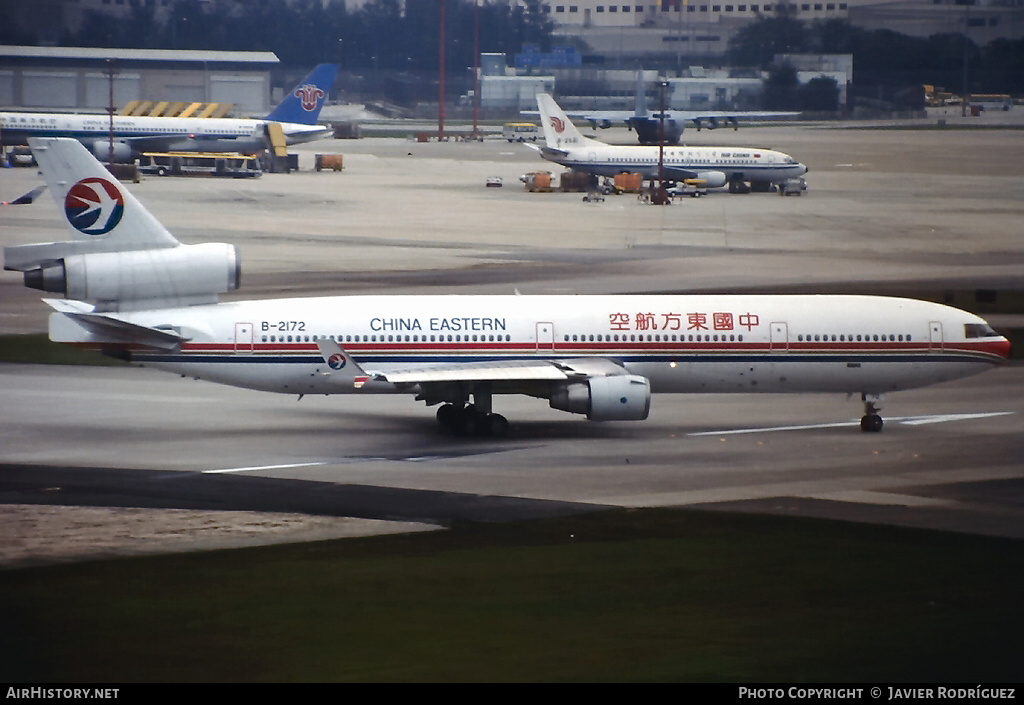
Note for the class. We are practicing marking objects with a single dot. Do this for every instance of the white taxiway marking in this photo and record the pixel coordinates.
(906, 420)
(263, 467)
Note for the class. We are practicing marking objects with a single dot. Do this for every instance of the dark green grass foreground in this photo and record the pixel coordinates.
(624, 595)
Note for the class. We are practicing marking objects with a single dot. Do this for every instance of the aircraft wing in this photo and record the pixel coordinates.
(157, 143)
(518, 370)
(531, 370)
(27, 198)
(607, 118)
(510, 370)
(713, 116)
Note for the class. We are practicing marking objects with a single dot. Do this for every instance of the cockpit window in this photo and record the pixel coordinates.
(979, 330)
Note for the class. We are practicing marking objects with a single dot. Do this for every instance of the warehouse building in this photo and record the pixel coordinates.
(79, 79)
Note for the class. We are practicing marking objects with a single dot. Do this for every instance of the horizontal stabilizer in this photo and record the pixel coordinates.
(105, 328)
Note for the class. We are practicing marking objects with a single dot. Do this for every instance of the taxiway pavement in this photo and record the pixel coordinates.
(887, 210)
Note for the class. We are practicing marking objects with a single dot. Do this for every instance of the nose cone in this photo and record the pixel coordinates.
(1002, 348)
(804, 169)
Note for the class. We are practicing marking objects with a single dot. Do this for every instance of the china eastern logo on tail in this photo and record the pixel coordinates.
(336, 361)
(94, 206)
(309, 95)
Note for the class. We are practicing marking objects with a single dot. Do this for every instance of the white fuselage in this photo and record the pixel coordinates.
(740, 163)
(698, 343)
(177, 134)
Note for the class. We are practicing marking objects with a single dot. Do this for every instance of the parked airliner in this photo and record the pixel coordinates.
(297, 114)
(651, 128)
(133, 291)
(716, 166)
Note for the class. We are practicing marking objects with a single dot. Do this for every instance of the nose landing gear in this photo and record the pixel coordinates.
(871, 422)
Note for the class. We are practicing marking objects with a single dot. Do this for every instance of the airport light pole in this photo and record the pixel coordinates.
(110, 110)
(660, 196)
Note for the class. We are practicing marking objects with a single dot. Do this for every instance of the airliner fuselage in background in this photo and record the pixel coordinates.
(717, 166)
(133, 135)
(135, 292)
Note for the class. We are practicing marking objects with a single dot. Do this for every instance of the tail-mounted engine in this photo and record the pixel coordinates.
(612, 398)
(168, 276)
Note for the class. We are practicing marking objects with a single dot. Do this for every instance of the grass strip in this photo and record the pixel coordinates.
(629, 595)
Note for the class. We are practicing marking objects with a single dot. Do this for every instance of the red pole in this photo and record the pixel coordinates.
(476, 66)
(440, 81)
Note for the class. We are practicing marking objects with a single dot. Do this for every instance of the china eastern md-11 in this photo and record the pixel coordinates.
(133, 291)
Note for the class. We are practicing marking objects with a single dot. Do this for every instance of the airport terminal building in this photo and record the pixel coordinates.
(626, 31)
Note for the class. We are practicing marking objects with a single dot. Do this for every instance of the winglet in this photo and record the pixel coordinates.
(341, 363)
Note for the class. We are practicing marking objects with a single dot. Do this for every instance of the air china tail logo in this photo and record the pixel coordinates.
(309, 95)
(94, 206)
(336, 361)
(558, 123)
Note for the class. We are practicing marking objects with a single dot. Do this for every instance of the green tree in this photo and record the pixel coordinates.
(819, 94)
(780, 88)
(759, 42)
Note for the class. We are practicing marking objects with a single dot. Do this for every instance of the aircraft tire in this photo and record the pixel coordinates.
(871, 423)
(447, 415)
(496, 425)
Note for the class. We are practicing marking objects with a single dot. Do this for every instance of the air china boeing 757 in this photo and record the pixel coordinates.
(134, 292)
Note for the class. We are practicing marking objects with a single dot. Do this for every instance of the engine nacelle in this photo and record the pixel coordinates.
(712, 179)
(182, 274)
(613, 398)
(123, 152)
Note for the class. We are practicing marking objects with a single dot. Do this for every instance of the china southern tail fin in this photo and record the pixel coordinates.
(120, 256)
(303, 103)
(559, 132)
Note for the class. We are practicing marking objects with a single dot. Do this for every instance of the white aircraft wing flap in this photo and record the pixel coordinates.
(492, 371)
(509, 371)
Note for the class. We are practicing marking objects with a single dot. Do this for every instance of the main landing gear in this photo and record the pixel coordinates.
(871, 422)
(468, 420)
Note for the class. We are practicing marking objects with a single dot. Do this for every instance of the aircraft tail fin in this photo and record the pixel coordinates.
(303, 103)
(96, 208)
(640, 107)
(120, 256)
(559, 131)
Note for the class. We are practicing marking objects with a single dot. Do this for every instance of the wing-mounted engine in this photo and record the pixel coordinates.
(611, 398)
(712, 179)
(122, 151)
